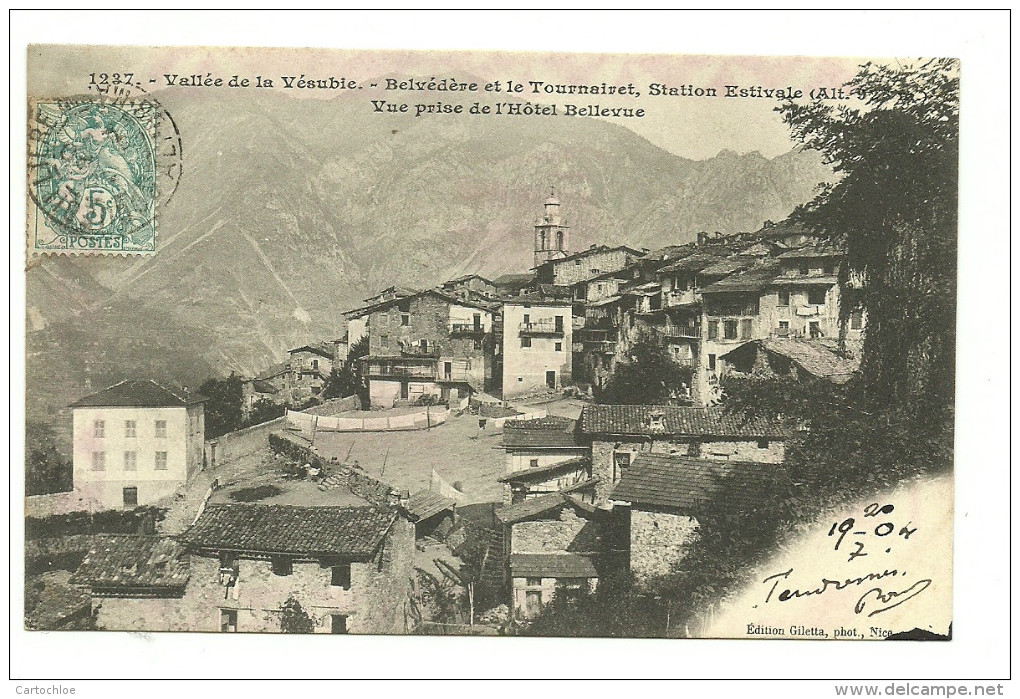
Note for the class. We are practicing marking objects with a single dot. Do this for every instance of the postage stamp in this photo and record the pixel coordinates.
(98, 169)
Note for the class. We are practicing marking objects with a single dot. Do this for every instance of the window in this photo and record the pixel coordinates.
(384, 340)
(533, 582)
(161, 461)
(99, 429)
(622, 459)
(816, 297)
(405, 320)
(713, 330)
(730, 329)
(559, 347)
(131, 496)
(558, 324)
(99, 461)
(282, 565)
(784, 297)
(315, 365)
(527, 318)
(340, 576)
(228, 620)
(130, 428)
(160, 429)
(857, 319)
(478, 343)
(784, 328)
(745, 329)
(763, 444)
(804, 269)
(577, 262)
(694, 448)
(525, 342)
(533, 463)
(384, 320)
(131, 461)
(595, 271)
(711, 362)
(338, 623)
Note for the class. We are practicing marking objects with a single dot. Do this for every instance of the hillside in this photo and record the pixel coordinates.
(290, 212)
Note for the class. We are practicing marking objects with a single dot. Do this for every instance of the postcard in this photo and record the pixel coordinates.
(497, 344)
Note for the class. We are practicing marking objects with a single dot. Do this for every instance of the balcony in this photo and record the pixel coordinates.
(466, 330)
(687, 331)
(384, 370)
(542, 327)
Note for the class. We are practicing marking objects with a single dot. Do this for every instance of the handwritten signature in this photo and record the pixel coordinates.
(890, 599)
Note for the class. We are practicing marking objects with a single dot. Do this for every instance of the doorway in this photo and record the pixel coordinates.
(550, 379)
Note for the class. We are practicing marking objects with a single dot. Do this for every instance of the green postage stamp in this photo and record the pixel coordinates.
(97, 169)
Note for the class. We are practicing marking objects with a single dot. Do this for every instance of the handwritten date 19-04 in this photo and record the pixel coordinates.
(883, 529)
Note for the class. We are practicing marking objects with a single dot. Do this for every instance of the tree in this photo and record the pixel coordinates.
(223, 406)
(46, 469)
(294, 619)
(264, 410)
(650, 376)
(346, 380)
(894, 210)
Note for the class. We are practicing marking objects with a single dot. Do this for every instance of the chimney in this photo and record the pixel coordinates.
(702, 238)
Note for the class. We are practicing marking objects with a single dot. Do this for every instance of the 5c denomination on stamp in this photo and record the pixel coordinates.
(99, 170)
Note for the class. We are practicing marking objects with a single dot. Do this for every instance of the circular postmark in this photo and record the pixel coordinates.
(101, 167)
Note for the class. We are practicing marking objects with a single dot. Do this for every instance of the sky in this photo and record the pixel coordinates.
(689, 126)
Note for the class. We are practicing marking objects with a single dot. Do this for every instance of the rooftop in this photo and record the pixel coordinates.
(595, 250)
(754, 279)
(696, 261)
(677, 421)
(320, 348)
(683, 483)
(551, 565)
(130, 562)
(353, 532)
(138, 394)
(532, 507)
(528, 474)
(552, 432)
(809, 251)
(425, 504)
(816, 357)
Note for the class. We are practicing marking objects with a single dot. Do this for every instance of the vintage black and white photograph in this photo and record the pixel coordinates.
(490, 344)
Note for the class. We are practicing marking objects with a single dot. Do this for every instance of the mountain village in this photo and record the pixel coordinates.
(475, 475)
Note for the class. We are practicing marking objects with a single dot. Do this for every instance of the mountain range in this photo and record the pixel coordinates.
(290, 211)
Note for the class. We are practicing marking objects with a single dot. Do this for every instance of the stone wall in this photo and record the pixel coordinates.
(658, 542)
(335, 406)
(569, 533)
(375, 602)
(352, 478)
(239, 443)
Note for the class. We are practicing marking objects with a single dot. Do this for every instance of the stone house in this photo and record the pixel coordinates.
(349, 568)
(269, 385)
(537, 344)
(135, 443)
(660, 497)
(429, 343)
(308, 369)
(474, 283)
(619, 433)
(801, 359)
(543, 456)
(557, 544)
(587, 264)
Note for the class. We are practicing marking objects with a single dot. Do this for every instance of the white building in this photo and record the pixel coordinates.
(537, 344)
(135, 443)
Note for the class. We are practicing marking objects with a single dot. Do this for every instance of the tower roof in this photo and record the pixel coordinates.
(552, 200)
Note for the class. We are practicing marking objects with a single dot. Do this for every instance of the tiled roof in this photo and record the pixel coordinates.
(728, 265)
(552, 431)
(596, 250)
(753, 279)
(466, 277)
(449, 298)
(812, 280)
(346, 531)
(532, 507)
(528, 474)
(513, 280)
(677, 421)
(695, 262)
(137, 394)
(273, 371)
(319, 348)
(820, 250)
(127, 561)
(815, 357)
(551, 565)
(261, 386)
(684, 484)
(425, 504)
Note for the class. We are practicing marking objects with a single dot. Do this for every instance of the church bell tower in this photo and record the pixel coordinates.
(552, 237)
